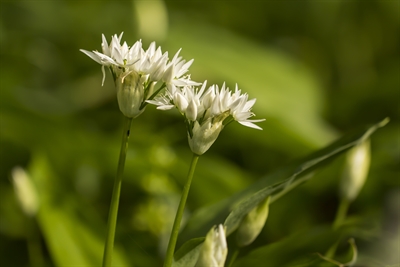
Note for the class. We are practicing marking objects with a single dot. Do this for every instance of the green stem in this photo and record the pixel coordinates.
(179, 213)
(233, 258)
(33, 242)
(112, 215)
(290, 187)
(341, 213)
(152, 96)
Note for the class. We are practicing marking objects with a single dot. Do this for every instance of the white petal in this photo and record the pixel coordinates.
(104, 45)
(167, 107)
(184, 68)
(203, 87)
(249, 104)
(250, 124)
(176, 55)
(168, 74)
(180, 102)
(92, 55)
(184, 82)
(234, 104)
(120, 36)
(242, 116)
(191, 111)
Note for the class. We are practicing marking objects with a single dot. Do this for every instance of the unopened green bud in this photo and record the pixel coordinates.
(25, 191)
(355, 170)
(214, 250)
(252, 224)
(130, 94)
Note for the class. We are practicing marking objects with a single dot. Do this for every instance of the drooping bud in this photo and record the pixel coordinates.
(252, 224)
(130, 94)
(25, 191)
(214, 250)
(356, 170)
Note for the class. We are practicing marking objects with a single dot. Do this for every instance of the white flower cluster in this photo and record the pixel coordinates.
(206, 112)
(136, 71)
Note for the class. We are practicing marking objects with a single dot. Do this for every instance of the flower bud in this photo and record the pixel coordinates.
(252, 224)
(355, 170)
(181, 102)
(204, 136)
(25, 191)
(130, 94)
(214, 250)
(191, 111)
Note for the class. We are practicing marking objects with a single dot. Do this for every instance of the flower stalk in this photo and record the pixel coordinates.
(113, 213)
(341, 213)
(28, 198)
(178, 217)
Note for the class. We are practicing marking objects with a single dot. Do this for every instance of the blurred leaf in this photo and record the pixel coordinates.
(205, 218)
(70, 241)
(187, 255)
(286, 91)
(292, 249)
(233, 220)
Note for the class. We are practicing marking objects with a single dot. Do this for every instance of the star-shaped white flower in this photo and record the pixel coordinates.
(120, 58)
(136, 72)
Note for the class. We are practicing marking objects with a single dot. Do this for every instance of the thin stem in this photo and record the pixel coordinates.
(112, 215)
(341, 213)
(179, 213)
(33, 243)
(290, 187)
(233, 258)
(152, 96)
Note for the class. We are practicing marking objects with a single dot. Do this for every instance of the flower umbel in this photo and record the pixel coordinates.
(206, 112)
(215, 249)
(136, 72)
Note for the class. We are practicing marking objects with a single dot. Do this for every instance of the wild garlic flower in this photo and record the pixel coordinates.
(206, 112)
(136, 71)
(214, 250)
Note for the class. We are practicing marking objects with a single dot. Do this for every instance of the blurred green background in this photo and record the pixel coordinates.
(317, 69)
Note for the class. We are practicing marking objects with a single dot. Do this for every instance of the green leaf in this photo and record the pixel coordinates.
(70, 240)
(295, 248)
(187, 255)
(191, 244)
(238, 213)
(280, 180)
